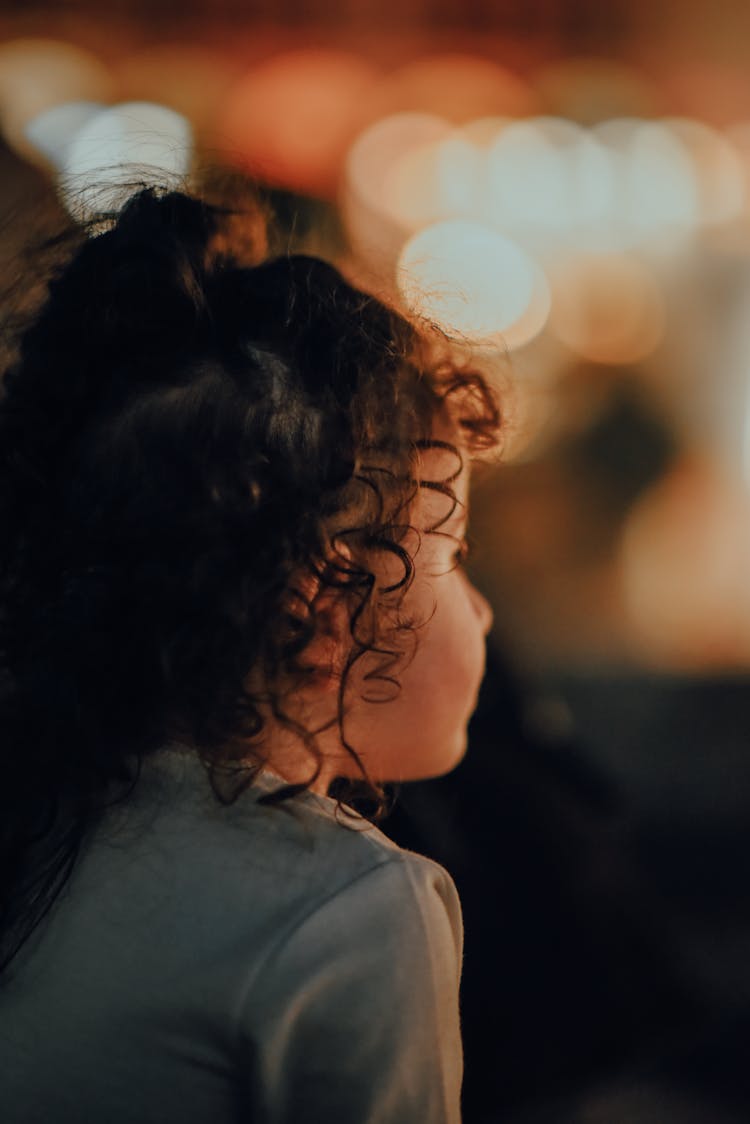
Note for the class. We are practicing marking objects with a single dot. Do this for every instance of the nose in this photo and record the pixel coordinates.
(482, 608)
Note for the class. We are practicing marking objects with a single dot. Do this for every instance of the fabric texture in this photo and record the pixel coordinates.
(212, 963)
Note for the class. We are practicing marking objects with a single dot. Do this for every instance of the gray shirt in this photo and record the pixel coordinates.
(211, 963)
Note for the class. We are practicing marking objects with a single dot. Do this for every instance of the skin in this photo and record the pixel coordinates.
(420, 731)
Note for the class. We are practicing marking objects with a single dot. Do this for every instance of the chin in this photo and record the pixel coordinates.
(458, 755)
(434, 764)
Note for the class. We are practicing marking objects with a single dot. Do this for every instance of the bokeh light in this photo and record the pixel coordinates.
(37, 75)
(534, 318)
(738, 136)
(466, 278)
(549, 182)
(717, 169)
(557, 208)
(436, 181)
(291, 118)
(588, 89)
(50, 134)
(657, 195)
(379, 223)
(482, 132)
(607, 308)
(190, 79)
(530, 407)
(128, 144)
(701, 87)
(459, 87)
(684, 561)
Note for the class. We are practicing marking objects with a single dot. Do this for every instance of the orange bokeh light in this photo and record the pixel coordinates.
(458, 87)
(588, 89)
(376, 229)
(190, 79)
(607, 308)
(291, 118)
(684, 560)
(37, 75)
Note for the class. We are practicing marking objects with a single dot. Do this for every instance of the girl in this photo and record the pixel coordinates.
(232, 517)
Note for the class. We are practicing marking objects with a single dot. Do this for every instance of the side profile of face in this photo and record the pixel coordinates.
(417, 728)
(421, 731)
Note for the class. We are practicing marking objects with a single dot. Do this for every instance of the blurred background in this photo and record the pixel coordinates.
(565, 184)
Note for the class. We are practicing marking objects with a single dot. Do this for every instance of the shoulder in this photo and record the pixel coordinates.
(289, 860)
(360, 879)
(357, 861)
(355, 1008)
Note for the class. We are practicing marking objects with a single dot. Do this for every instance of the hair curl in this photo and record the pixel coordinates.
(182, 435)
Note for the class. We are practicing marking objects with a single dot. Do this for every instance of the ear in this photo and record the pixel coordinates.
(328, 650)
(326, 653)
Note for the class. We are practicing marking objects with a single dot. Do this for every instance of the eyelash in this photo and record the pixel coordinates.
(461, 553)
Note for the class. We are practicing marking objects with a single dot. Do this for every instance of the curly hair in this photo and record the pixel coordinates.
(182, 435)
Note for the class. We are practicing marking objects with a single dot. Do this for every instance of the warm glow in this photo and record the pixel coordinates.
(533, 320)
(456, 86)
(378, 219)
(190, 79)
(290, 120)
(468, 279)
(126, 145)
(708, 86)
(685, 560)
(738, 136)
(378, 151)
(484, 131)
(588, 89)
(738, 366)
(607, 308)
(717, 168)
(37, 75)
(436, 181)
(531, 405)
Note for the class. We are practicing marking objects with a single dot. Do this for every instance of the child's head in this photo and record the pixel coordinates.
(229, 501)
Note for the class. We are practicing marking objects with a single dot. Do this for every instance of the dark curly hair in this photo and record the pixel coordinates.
(182, 435)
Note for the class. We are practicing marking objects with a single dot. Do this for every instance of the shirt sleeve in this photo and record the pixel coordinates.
(354, 1019)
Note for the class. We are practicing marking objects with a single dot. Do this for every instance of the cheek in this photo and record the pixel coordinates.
(421, 731)
(461, 625)
(451, 653)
